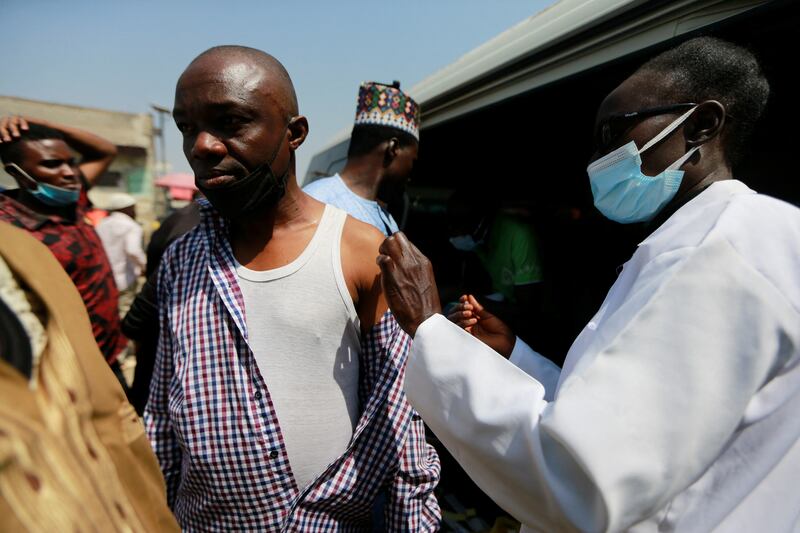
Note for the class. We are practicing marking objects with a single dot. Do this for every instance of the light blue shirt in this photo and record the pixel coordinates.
(332, 190)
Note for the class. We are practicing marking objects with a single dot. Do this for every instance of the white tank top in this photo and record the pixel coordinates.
(304, 332)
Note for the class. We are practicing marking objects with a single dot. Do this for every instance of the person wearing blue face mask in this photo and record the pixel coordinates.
(51, 204)
(676, 407)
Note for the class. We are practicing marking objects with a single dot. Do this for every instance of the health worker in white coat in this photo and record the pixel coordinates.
(678, 406)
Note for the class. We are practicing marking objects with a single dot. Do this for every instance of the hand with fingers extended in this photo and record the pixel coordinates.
(11, 126)
(483, 325)
(408, 282)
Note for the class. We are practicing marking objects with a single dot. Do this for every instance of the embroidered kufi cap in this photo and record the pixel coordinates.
(386, 105)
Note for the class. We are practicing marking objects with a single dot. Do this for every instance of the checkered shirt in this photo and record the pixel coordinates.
(215, 432)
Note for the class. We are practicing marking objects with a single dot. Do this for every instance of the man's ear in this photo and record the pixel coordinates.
(705, 123)
(390, 153)
(298, 131)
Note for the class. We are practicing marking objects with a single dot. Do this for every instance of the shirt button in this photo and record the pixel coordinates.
(258, 395)
(273, 454)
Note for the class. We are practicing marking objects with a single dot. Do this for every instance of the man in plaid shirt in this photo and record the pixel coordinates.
(248, 301)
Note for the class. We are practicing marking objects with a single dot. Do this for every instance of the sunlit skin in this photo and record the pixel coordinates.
(233, 117)
(49, 161)
(228, 115)
(235, 111)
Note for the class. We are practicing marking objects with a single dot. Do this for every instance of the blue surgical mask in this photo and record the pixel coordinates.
(464, 243)
(55, 196)
(623, 193)
(45, 193)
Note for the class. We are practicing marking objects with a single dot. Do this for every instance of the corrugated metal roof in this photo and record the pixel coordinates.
(565, 39)
(569, 37)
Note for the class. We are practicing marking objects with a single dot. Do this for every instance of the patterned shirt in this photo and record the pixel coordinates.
(214, 429)
(78, 248)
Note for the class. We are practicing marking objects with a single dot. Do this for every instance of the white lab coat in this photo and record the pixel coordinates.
(678, 407)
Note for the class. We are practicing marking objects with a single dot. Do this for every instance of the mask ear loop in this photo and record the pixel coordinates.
(669, 129)
(683, 159)
(282, 180)
(16, 170)
(272, 157)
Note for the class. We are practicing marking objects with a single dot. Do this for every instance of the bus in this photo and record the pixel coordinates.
(512, 121)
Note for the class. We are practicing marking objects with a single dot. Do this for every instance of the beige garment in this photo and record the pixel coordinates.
(73, 453)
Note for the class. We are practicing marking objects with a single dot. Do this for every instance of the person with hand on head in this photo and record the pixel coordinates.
(96, 153)
(276, 401)
(676, 407)
(51, 204)
(380, 159)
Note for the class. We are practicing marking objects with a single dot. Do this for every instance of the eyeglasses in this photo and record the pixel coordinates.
(614, 126)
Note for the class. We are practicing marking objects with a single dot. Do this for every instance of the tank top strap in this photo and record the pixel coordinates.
(334, 230)
(328, 234)
(336, 220)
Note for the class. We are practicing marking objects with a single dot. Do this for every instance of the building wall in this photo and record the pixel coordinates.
(134, 168)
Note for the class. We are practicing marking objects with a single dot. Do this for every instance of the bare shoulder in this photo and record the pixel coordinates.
(360, 244)
(359, 251)
(360, 239)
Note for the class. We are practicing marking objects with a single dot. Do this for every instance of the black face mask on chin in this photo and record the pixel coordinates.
(254, 193)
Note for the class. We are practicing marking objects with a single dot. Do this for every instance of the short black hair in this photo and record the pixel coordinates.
(707, 68)
(11, 151)
(365, 137)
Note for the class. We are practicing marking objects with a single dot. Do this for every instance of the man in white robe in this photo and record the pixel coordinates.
(678, 405)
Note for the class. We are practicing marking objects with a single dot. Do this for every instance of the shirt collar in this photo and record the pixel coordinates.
(714, 193)
(361, 199)
(221, 262)
(27, 217)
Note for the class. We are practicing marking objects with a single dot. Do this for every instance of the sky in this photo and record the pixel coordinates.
(126, 55)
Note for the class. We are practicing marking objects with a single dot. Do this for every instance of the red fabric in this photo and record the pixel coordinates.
(95, 215)
(79, 250)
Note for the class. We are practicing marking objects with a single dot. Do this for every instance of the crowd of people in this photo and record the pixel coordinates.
(294, 361)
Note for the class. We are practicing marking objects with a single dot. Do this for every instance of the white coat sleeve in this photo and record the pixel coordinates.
(536, 366)
(627, 431)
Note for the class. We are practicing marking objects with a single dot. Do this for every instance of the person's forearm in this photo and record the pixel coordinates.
(486, 412)
(90, 146)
